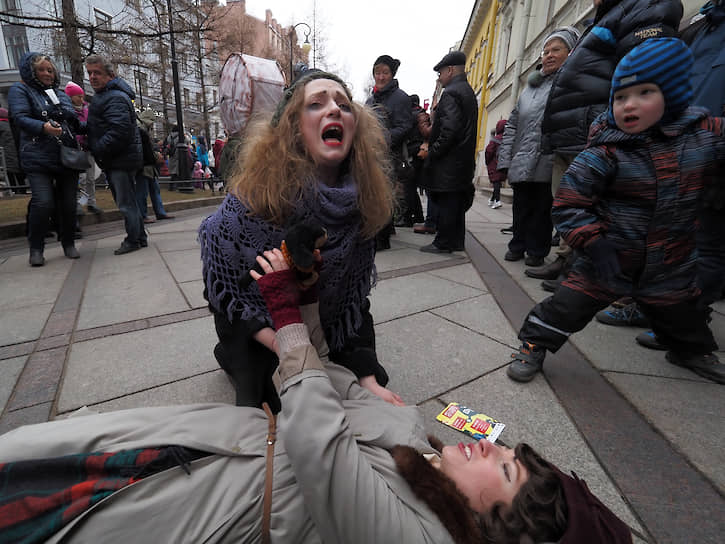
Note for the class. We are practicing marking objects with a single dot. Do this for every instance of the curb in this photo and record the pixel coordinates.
(17, 229)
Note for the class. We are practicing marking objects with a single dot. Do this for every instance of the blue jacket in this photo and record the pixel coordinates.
(113, 136)
(30, 108)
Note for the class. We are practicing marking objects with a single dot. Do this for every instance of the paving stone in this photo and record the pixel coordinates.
(481, 314)
(437, 355)
(679, 408)
(23, 288)
(180, 316)
(10, 370)
(115, 366)
(40, 413)
(23, 324)
(211, 386)
(39, 380)
(464, 273)
(16, 350)
(175, 241)
(184, 265)
(407, 295)
(59, 323)
(53, 342)
(128, 287)
(194, 293)
(404, 258)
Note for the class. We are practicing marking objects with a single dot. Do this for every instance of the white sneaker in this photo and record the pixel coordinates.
(496, 204)
(491, 202)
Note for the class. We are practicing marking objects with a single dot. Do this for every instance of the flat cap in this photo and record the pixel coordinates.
(454, 58)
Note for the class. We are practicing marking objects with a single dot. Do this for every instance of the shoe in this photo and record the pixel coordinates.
(622, 302)
(71, 252)
(507, 230)
(496, 205)
(143, 243)
(423, 229)
(526, 363)
(126, 248)
(432, 248)
(629, 316)
(165, 216)
(555, 240)
(551, 285)
(513, 256)
(36, 257)
(708, 365)
(533, 260)
(94, 209)
(403, 223)
(491, 202)
(649, 340)
(550, 271)
(148, 220)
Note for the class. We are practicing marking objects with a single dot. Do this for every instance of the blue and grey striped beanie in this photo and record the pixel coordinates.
(666, 62)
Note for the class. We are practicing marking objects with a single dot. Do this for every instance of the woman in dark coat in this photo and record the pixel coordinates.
(393, 105)
(40, 111)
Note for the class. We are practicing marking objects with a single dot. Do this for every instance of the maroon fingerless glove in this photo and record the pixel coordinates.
(282, 296)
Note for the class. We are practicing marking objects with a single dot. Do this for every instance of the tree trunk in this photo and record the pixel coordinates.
(70, 29)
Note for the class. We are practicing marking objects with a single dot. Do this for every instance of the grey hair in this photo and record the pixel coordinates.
(98, 59)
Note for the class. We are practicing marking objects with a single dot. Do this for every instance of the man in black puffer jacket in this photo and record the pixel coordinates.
(115, 142)
(450, 160)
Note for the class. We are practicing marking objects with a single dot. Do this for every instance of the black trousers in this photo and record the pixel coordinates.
(532, 218)
(681, 326)
(451, 227)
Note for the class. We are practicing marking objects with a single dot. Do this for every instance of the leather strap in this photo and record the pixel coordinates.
(267, 504)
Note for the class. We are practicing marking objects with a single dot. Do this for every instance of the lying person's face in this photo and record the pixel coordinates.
(327, 124)
(638, 107)
(484, 472)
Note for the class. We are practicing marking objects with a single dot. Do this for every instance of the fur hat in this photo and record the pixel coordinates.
(389, 61)
(666, 62)
(454, 58)
(567, 34)
(73, 89)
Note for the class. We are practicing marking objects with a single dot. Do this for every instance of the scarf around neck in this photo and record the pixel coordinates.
(232, 238)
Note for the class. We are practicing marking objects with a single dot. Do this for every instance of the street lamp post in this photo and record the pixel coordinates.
(181, 148)
(305, 47)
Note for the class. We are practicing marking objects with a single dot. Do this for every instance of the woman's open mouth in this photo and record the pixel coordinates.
(332, 134)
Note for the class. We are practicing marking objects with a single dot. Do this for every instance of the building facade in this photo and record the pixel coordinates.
(503, 43)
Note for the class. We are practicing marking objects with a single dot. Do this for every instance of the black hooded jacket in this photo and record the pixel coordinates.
(580, 90)
(394, 108)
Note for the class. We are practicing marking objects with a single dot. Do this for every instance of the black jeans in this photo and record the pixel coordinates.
(52, 194)
(451, 227)
(532, 218)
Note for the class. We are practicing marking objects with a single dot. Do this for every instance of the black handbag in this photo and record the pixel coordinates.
(73, 158)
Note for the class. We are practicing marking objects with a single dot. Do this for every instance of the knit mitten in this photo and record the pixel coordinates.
(282, 296)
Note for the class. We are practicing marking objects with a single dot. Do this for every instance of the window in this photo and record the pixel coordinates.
(136, 42)
(103, 20)
(214, 95)
(134, 4)
(16, 44)
(181, 58)
(9, 5)
(187, 97)
(198, 101)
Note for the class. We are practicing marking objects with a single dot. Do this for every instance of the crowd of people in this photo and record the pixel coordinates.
(601, 159)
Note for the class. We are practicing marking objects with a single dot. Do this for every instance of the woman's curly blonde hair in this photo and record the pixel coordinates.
(275, 168)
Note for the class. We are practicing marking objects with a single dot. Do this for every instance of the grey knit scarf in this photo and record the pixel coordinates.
(232, 238)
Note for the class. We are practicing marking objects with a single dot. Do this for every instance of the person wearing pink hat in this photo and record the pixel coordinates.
(86, 182)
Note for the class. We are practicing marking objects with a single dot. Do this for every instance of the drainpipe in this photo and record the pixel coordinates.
(515, 84)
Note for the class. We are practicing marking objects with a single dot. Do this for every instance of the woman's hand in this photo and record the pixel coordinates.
(372, 385)
(279, 288)
(52, 129)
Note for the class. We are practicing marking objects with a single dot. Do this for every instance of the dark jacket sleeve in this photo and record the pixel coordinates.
(401, 119)
(450, 119)
(121, 126)
(21, 111)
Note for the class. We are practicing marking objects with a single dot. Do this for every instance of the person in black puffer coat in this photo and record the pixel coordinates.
(393, 106)
(43, 114)
(115, 141)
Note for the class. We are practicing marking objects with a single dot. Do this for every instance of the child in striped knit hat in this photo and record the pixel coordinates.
(629, 204)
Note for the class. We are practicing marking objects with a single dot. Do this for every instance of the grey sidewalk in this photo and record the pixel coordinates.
(114, 332)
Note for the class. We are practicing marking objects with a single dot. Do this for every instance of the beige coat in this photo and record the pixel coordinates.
(334, 480)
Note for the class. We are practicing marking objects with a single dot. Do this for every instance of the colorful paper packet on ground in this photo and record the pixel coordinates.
(472, 423)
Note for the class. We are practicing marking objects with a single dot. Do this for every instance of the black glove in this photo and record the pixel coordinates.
(604, 257)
